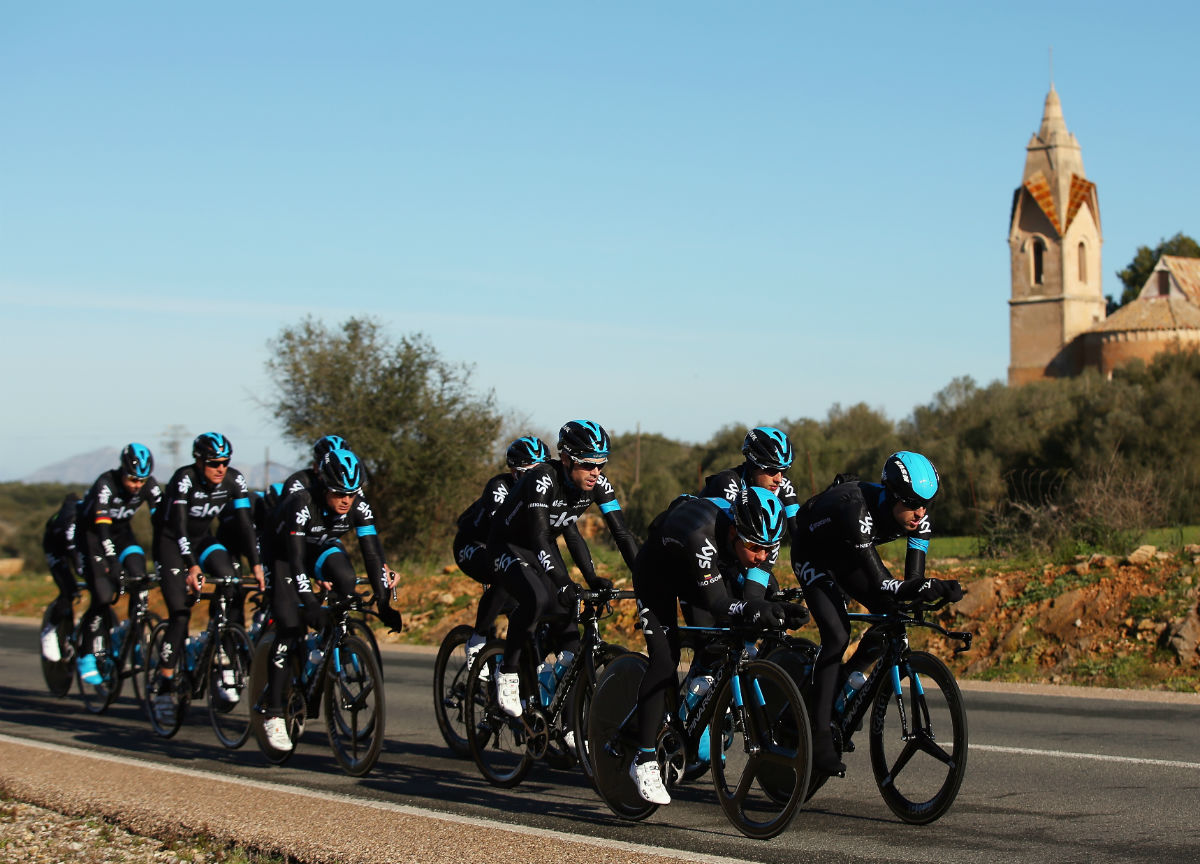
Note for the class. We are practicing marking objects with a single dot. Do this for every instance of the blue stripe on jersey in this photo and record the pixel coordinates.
(211, 549)
(757, 576)
(609, 506)
(241, 503)
(791, 510)
(914, 543)
(724, 504)
(364, 530)
(130, 550)
(321, 560)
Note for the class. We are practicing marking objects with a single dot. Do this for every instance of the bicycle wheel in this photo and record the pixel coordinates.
(497, 741)
(295, 710)
(798, 663)
(360, 628)
(180, 694)
(228, 694)
(354, 706)
(765, 742)
(59, 673)
(141, 650)
(97, 697)
(919, 739)
(581, 705)
(611, 748)
(450, 689)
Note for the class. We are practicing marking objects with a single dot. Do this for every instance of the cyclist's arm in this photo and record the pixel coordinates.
(102, 521)
(610, 509)
(918, 548)
(580, 553)
(243, 513)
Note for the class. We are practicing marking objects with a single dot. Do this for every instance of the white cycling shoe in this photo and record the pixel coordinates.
(508, 691)
(474, 647)
(50, 649)
(648, 780)
(275, 729)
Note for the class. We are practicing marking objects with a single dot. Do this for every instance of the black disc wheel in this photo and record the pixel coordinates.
(760, 750)
(59, 673)
(97, 697)
(611, 746)
(498, 742)
(919, 739)
(165, 714)
(354, 706)
(580, 705)
(450, 689)
(228, 687)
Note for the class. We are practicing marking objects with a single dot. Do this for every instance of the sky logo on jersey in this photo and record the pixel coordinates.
(499, 494)
(303, 516)
(364, 509)
(543, 483)
(295, 487)
(545, 560)
(731, 491)
(866, 524)
(806, 573)
(185, 484)
(705, 556)
(204, 511)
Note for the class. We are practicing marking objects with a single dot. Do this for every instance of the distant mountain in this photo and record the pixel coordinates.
(86, 467)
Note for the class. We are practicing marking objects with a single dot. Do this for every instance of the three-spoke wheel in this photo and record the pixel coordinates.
(354, 706)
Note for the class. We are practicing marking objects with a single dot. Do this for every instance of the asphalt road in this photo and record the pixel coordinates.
(1052, 776)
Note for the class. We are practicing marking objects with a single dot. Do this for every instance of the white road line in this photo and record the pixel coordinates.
(1096, 757)
(406, 809)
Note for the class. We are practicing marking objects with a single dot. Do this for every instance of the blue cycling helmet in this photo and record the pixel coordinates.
(758, 516)
(911, 478)
(212, 445)
(341, 472)
(526, 451)
(583, 441)
(136, 461)
(768, 448)
(329, 442)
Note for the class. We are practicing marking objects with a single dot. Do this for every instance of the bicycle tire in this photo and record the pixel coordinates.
(97, 697)
(181, 692)
(355, 706)
(294, 706)
(137, 663)
(775, 737)
(362, 629)
(449, 693)
(59, 674)
(497, 740)
(229, 673)
(581, 703)
(918, 778)
(613, 701)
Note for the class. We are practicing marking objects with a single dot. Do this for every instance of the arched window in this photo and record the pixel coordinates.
(1082, 263)
(1039, 260)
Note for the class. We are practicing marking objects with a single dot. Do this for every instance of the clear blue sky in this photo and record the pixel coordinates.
(677, 214)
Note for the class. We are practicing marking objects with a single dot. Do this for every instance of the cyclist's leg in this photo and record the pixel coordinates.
(102, 584)
(173, 583)
(536, 597)
(656, 609)
(828, 607)
(64, 581)
(287, 609)
(229, 536)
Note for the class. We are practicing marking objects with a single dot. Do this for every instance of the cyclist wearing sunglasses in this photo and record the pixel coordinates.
(105, 541)
(523, 543)
(834, 556)
(186, 547)
(697, 552)
(305, 546)
(470, 542)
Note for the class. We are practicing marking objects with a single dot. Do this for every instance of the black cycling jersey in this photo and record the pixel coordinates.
(544, 505)
(58, 542)
(303, 525)
(838, 532)
(191, 503)
(475, 522)
(305, 478)
(108, 507)
(725, 484)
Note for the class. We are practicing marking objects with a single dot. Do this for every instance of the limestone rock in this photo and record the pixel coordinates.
(1142, 555)
(1184, 639)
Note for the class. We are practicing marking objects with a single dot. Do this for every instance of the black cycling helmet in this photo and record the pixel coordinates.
(758, 516)
(583, 441)
(329, 442)
(526, 451)
(136, 461)
(341, 472)
(911, 478)
(212, 445)
(768, 448)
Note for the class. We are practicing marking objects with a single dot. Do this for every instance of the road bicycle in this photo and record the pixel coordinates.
(555, 703)
(214, 665)
(346, 682)
(918, 724)
(757, 728)
(120, 647)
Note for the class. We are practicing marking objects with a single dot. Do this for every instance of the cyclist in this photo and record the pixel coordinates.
(58, 542)
(470, 543)
(306, 478)
(305, 546)
(106, 543)
(523, 544)
(694, 551)
(186, 548)
(834, 556)
(768, 454)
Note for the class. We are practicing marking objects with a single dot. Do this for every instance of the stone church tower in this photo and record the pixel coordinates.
(1054, 242)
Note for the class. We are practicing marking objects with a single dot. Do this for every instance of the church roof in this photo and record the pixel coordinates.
(1152, 313)
(1186, 272)
(1054, 175)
